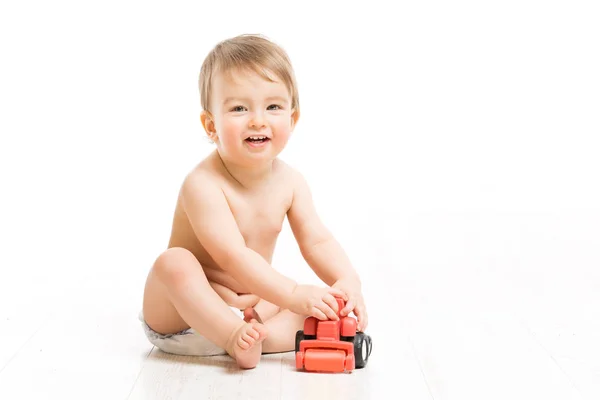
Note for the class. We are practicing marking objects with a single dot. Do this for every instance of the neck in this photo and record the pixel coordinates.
(247, 176)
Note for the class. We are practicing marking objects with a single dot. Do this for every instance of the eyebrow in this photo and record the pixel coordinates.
(282, 99)
(228, 99)
(277, 98)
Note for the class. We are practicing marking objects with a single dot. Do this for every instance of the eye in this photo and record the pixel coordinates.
(238, 109)
(274, 107)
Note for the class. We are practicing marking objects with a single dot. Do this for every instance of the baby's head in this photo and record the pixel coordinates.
(247, 53)
(249, 98)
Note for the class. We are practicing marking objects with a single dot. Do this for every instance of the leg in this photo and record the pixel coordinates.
(177, 296)
(282, 332)
(282, 326)
(263, 308)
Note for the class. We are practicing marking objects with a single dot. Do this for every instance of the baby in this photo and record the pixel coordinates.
(230, 210)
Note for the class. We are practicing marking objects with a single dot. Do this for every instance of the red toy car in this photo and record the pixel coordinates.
(332, 346)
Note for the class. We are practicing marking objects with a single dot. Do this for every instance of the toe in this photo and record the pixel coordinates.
(260, 329)
(253, 333)
(242, 343)
(248, 339)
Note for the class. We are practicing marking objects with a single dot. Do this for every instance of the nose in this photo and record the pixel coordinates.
(257, 121)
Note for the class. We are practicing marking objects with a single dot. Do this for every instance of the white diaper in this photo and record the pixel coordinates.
(186, 343)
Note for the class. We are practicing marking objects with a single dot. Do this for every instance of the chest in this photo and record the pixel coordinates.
(259, 217)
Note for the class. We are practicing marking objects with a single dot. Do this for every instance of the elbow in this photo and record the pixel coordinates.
(231, 258)
(314, 252)
(312, 249)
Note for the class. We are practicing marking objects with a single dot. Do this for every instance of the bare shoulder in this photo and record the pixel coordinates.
(203, 178)
(205, 208)
(292, 180)
(288, 173)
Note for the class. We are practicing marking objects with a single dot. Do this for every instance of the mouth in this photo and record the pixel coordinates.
(257, 140)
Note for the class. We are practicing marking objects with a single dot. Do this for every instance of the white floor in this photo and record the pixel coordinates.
(461, 306)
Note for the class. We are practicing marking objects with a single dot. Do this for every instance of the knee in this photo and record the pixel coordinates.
(174, 265)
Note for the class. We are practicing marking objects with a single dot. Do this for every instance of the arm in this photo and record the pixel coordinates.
(214, 225)
(232, 298)
(323, 252)
(318, 246)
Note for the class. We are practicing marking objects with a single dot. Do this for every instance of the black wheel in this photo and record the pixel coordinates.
(362, 349)
(299, 338)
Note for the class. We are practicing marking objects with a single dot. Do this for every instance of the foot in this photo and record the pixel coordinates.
(250, 314)
(245, 345)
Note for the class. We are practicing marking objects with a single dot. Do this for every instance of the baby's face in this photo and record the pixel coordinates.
(252, 116)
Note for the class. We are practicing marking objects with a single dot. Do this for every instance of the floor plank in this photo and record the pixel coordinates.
(86, 351)
(484, 354)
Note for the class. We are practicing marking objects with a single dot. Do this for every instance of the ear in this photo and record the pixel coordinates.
(208, 124)
(295, 117)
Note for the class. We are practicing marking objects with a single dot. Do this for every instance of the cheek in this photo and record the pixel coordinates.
(231, 124)
(281, 136)
(230, 130)
(282, 126)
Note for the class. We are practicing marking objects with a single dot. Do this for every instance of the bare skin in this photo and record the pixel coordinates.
(242, 340)
(186, 274)
(228, 216)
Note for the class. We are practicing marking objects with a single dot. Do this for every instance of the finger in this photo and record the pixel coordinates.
(349, 307)
(361, 315)
(360, 326)
(318, 314)
(331, 302)
(331, 315)
(338, 293)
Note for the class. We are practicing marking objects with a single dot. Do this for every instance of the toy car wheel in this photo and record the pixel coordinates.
(299, 338)
(362, 349)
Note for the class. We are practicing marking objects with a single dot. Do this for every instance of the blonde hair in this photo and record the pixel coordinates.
(247, 52)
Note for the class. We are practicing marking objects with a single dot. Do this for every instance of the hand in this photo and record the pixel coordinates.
(355, 302)
(316, 302)
(233, 299)
(243, 301)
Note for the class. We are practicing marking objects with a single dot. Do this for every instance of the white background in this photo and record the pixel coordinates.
(441, 139)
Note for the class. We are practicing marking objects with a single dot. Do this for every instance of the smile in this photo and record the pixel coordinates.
(257, 141)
